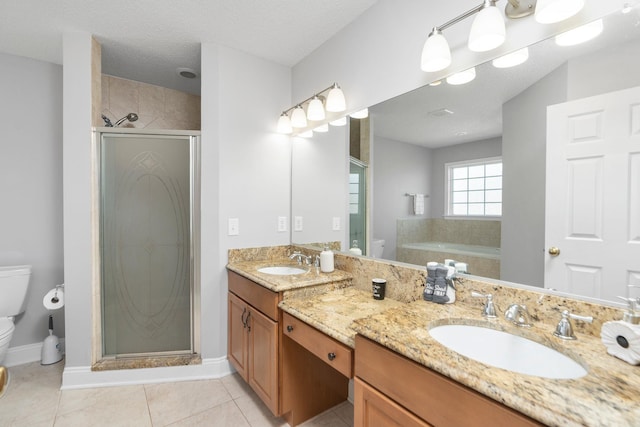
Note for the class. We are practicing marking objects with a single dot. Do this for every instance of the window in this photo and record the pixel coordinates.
(474, 188)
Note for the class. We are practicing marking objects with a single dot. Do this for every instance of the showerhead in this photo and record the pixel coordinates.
(132, 117)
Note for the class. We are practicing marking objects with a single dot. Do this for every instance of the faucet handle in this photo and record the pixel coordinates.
(490, 311)
(564, 329)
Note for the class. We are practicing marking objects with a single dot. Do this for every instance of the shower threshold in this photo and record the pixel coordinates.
(139, 362)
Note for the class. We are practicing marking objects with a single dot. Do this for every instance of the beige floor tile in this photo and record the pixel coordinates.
(236, 386)
(326, 419)
(345, 412)
(224, 415)
(171, 402)
(108, 406)
(257, 413)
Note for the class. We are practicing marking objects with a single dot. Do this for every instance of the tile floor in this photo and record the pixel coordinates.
(34, 399)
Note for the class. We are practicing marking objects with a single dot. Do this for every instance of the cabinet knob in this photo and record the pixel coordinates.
(331, 356)
(289, 328)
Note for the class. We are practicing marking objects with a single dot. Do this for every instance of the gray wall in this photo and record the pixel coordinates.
(456, 153)
(398, 168)
(31, 184)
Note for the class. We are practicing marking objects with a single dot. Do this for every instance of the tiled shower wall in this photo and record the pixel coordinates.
(157, 107)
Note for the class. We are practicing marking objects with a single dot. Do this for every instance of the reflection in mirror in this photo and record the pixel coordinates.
(502, 113)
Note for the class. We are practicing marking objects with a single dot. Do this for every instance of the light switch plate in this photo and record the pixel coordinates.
(297, 223)
(234, 226)
(336, 223)
(282, 223)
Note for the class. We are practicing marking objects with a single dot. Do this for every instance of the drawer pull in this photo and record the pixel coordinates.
(289, 328)
(331, 356)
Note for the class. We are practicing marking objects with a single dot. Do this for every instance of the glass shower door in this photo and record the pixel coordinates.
(146, 259)
(358, 203)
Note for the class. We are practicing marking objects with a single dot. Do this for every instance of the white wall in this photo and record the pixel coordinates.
(31, 185)
(398, 168)
(318, 164)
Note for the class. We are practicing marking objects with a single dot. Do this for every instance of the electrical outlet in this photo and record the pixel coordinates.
(282, 223)
(297, 223)
(336, 223)
(234, 226)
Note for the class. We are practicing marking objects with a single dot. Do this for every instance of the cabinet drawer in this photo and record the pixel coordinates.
(332, 352)
(258, 296)
(428, 394)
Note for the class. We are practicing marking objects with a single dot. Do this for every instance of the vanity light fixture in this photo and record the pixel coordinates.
(436, 54)
(581, 34)
(552, 11)
(361, 114)
(512, 59)
(342, 121)
(462, 77)
(332, 99)
(488, 30)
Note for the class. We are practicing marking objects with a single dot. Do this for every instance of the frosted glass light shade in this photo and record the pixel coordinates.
(512, 59)
(581, 34)
(436, 54)
(550, 11)
(342, 121)
(487, 31)
(284, 124)
(315, 110)
(335, 100)
(362, 114)
(462, 77)
(298, 118)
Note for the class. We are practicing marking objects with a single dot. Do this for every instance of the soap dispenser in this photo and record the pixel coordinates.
(326, 260)
(355, 249)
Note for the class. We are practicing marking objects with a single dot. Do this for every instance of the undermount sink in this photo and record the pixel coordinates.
(507, 351)
(282, 270)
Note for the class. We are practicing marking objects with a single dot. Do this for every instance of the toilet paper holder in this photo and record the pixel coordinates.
(54, 299)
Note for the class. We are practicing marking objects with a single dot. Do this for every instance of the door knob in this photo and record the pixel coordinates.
(553, 251)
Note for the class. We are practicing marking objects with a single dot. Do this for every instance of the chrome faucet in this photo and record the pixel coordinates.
(490, 311)
(564, 329)
(299, 256)
(518, 315)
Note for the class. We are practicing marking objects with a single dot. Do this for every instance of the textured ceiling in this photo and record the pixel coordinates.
(148, 40)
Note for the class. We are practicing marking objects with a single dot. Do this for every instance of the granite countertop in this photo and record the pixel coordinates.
(334, 312)
(280, 283)
(607, 395)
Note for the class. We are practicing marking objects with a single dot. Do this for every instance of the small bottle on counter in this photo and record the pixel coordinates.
(355, 249)
(326, 260)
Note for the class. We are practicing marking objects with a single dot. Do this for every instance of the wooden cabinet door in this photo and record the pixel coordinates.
(263, 358)
(237, 341)
(373, 409)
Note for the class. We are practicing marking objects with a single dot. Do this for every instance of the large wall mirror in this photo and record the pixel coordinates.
(501, 115)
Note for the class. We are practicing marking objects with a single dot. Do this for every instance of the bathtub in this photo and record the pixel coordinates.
(482, 260)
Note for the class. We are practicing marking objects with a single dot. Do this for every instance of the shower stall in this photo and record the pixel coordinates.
(148, 185)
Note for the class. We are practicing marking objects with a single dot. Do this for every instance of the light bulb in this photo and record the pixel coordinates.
(581, 34)
(436, 54)
(512, 59)
(315, 110)
(487, 31)
(298, 118)
(551, 11)
(284, 124)
(462, 77)
(335, 100)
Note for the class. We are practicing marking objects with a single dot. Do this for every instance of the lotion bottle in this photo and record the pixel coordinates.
(326, 260)
(355, 249)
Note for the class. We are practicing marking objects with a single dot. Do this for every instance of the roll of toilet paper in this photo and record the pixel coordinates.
(54, 299)
(622, 340)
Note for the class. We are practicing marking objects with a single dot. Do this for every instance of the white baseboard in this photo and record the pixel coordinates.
(83, 377)
(28, 353)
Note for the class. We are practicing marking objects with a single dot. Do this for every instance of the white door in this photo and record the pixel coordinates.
(593, 195)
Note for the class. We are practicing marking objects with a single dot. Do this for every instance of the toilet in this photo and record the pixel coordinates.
(377, 248)
(14, 283)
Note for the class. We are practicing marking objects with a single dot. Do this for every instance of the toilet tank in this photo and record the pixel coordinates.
(14, 283)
